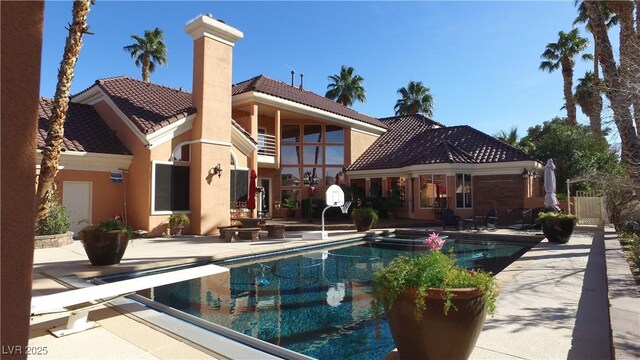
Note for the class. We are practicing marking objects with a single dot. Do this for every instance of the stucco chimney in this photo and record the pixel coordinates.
(213, 43)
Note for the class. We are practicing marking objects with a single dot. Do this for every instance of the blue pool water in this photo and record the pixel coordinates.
(315, 302)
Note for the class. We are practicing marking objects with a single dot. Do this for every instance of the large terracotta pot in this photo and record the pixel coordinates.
(558, 230)
(104, 247)
(363, 222)
(436, 335)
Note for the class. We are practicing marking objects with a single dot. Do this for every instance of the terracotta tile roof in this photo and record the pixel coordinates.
(413, 141)
(243, 131)
(149, 106)
(84, 130)
(285, 91)
(414, 118)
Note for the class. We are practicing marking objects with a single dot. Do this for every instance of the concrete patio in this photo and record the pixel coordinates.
(554, 301)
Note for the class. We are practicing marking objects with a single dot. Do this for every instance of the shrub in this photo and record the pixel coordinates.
(56, 222)
(553, 215)
(179, 221)
(365, 212)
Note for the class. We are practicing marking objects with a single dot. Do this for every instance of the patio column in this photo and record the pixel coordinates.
(367, 187)
(278, 135)
(213, 43)
(253, 162)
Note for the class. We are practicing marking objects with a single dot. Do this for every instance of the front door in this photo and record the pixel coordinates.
(264, 200)
(76, 197)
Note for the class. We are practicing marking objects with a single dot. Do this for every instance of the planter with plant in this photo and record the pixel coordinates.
(53, 229)
(557, 226)
(290, 204)
(435, 309)
(106, 242)
(177, 223)
(364, 218)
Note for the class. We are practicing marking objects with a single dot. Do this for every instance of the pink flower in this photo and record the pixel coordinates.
(434, 242)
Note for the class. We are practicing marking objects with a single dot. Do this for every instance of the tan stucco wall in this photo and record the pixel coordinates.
(359, 142)
(21, 53)
(212, 98)
(107, 197)
(139, 172)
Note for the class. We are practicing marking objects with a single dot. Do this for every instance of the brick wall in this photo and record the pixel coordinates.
(500, 192)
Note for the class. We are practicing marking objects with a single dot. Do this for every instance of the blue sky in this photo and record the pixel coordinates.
(480, 59)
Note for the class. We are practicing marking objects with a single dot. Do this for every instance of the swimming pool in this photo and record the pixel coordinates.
(316, 302)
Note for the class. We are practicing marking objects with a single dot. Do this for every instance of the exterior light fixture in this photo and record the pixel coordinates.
(216, 170)
(530, 173)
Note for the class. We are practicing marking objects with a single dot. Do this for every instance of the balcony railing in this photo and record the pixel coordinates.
(266, 145)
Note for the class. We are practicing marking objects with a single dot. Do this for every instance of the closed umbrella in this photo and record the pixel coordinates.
(251, 201)
(550, 198)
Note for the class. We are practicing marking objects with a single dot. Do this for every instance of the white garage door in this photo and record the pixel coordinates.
(76, 197)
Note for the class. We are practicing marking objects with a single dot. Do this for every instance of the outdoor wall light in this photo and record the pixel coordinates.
(216, 170)
(530, 173)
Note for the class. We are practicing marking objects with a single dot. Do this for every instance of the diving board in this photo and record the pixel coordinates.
(76, 300)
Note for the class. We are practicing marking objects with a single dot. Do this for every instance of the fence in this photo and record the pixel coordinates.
(589, 208)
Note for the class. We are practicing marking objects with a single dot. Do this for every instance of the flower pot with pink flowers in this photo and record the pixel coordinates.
(435, 309)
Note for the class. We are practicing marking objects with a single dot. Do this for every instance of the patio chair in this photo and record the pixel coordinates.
(449, 218)
(489, 220)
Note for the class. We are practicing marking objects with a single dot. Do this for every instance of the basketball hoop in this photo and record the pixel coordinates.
(345, 207)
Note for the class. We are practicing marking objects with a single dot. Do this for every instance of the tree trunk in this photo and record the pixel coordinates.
(145, 67)
(595, 119)
(570, 104)
(53, 142)
(616, 93)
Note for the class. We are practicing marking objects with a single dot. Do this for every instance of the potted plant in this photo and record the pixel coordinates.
(435, 309)
(290, 205)
(364, 218)
(106, 242)
(392, 203)
(177, 222)
(556, 225)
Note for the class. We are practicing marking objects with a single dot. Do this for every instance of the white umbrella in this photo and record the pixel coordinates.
(550, 198)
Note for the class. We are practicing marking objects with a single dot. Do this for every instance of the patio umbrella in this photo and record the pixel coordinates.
(338, 179)
(251, 201)
(550, 198)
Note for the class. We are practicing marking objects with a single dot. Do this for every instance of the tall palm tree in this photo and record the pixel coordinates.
(510, 137)
(346, 88)
(415, 98)
(588, 96)
(617, 83)
(53, 142)
(148, 51)
(560, 55)
(611, 20)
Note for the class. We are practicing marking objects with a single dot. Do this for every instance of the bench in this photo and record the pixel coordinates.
(228, 233)
(78, 301)
(252, 234)
(275, 231)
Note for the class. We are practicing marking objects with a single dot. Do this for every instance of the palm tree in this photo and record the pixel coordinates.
(560, 55)
(346, 88)
(596, 99)
(588, 96)
(414, 99)
(53, 142)
(510, 137)
(148, 51)
(617, 82)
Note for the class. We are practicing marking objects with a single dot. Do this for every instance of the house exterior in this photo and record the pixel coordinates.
(144, 151)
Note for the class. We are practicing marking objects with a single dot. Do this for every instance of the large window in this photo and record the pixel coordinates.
(463, 190)
(170, 188)
(311, 155)
(433, 191)
(239, 185)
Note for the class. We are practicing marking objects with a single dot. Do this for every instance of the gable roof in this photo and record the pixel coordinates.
(149, 106)
(84, 130)
(266, 85)
(412, 140)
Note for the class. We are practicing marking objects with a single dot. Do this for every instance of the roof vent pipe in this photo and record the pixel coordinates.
(292, 75)
(301, 81)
